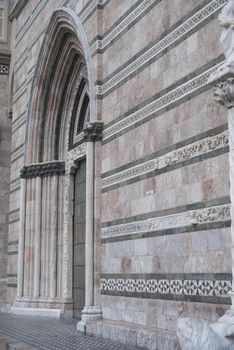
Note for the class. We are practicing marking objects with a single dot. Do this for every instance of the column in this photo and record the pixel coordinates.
(37, 257)
(93, 133)
(20, 281)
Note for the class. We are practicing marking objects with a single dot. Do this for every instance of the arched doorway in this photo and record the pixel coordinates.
(62, 103)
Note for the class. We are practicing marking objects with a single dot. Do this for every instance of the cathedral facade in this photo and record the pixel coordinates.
(115, 192)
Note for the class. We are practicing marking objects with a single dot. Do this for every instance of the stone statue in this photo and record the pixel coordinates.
(194, 334)
(226, 20)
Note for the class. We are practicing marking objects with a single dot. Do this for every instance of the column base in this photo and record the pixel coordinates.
(30, 311)
(89, 313)
(43, 306)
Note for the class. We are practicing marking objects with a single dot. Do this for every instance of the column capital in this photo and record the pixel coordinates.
(224, 93)
(93, 131)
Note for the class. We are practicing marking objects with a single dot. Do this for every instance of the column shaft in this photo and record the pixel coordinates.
(21, 239)
(89, 225)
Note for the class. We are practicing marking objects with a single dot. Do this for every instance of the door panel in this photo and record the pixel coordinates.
(79, 240)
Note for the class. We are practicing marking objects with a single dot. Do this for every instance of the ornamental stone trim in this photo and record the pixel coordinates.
(14, 186)
(188, 218)
(86, 13)
(163, 44)
(195, 149)
(14, 216)
(18, 122)
(164, 286)
(4, 69)
(159, 104)
(28, 24)
(12, 281)
(125, 23)
(43, 169)
(17, 153)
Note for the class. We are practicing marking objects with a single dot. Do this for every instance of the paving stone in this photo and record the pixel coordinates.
(51, 334)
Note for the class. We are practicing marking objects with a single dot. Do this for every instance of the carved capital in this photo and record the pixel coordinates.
(224, 93)
(93, 131)
(43, 169)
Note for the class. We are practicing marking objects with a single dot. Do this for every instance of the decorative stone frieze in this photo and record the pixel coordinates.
(12, 281)
(4, 69)
(185, 28)
(200, 147)
(128, 20)
(221, 213)
(161, 286)
(93, 131)
(173, 96)
(43, 169)
(193, 217)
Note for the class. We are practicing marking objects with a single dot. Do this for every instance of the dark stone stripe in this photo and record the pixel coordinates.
(13, 253)
(15, 190)
(17, 148)
(163, 92)
(167, 232)
(124, 31)
(175, 146)
(16, 179)
(168, 168)
(170, 211)
(198, 276)
(153, 59)
(28, 19)
(19, 126)
(21, 64)
(15, 120)
(14, 221)
(171, 276)
(98, 7)
(175, 297)
(21, 94)
(19, 40)
(17, 158)
(14, 211)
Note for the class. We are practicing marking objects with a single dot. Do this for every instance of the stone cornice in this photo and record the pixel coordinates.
(43, 169)
(16, 9)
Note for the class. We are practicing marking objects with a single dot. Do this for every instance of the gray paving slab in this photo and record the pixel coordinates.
(49, 334)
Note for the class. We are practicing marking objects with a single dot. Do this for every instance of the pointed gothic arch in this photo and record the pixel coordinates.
(65, 51)
(62, 100)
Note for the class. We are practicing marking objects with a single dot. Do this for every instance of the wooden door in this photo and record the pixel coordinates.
(79, 240)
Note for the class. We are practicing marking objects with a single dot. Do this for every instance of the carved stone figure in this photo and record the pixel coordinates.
(194, 334)
(227, 37)
(226, 19)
